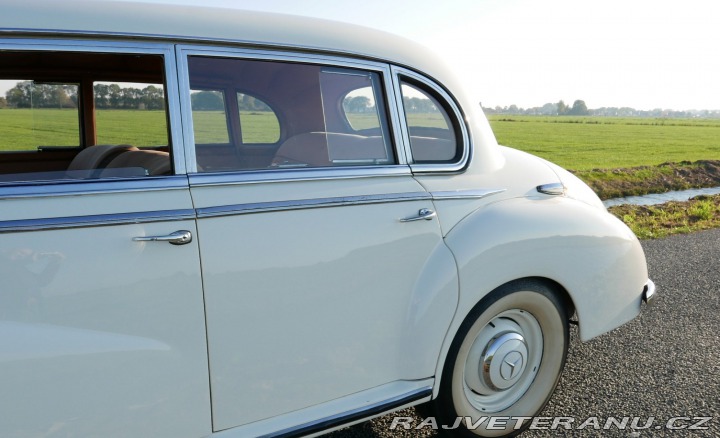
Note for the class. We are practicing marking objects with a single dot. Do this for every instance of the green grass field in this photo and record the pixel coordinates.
(583, 143)
(577, 143)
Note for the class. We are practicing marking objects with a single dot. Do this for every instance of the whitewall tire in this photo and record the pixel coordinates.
(505, 360)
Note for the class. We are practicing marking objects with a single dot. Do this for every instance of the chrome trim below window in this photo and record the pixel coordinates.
(60, 223)
(301, 204)
(465, 194)
(35, 189)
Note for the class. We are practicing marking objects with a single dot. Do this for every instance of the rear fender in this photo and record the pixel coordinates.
(587, 251)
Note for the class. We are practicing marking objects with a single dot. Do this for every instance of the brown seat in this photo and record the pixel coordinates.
(153, 162)
(316, 149)
(99, 156)
(308, 149)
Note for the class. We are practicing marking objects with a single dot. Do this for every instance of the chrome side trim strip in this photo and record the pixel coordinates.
(18, 226)
(301, 204)
(354, 415)
(84, 187)
(465, 194)
(268, 176)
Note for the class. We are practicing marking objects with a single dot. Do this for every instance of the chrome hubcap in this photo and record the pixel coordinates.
(503, 360)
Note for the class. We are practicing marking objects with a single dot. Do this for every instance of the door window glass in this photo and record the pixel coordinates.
(209, 120)
(258, 122)
(295, 112)
(82, 115)
(433, 136)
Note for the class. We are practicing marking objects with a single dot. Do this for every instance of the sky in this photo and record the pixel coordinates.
(636, 53)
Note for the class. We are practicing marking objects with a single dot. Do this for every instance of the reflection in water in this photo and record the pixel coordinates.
(661, 198)
(24, 273)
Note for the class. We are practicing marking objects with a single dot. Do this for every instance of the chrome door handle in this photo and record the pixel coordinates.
(424, 213)
(177, 238)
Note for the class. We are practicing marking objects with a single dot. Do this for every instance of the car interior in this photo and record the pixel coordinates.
(53, 121)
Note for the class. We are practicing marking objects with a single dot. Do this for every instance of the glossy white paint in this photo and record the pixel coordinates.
(579, 213)
(311, 312)
(101, 336)
(314, 304)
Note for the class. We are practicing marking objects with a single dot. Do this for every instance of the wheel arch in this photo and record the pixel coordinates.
(587, 256)
(558, 290)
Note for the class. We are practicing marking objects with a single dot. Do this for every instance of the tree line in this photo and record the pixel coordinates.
(29, 94)
(579, 108)
(215, 101)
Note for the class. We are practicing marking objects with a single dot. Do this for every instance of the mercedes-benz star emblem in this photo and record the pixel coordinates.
(512, 364)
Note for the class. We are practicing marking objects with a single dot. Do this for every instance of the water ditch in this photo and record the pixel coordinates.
(661, 198)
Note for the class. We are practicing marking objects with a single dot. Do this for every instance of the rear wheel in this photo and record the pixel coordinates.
(504, 362)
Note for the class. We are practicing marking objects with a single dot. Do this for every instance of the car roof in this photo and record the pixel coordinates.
(210, 24)
(167, 22)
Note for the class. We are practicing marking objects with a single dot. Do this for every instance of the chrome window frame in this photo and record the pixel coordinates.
(184, 51)
(457, 114)
(175, 136)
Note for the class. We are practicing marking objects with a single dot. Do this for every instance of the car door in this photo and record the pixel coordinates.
(313, 261)
(102, 329)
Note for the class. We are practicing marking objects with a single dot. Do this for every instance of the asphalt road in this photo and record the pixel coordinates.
(664, 364)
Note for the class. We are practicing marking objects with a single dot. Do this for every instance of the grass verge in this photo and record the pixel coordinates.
(656, 221)
(642, 180)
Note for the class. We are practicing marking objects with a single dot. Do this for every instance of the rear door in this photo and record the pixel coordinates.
(102, 329)
(313, 242)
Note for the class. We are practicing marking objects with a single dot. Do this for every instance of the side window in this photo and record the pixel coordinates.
(361, 112)
(82, 115)
(258, 122)
(290, 115)
(120, 105)
(209, 120)
(37, 114)
(433, 137)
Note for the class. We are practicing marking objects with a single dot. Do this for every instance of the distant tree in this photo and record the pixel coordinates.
(153, 98)
(357, 104)
(28, 94)
(20, 96)
(3, 103)
(418, 105)
(207, 101)
(579, 109)
(562, 109)
(549, 109)
(250, 103)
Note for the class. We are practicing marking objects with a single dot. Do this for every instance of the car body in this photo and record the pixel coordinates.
(225, 223)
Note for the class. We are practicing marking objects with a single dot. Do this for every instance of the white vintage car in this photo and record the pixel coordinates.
(234, 224)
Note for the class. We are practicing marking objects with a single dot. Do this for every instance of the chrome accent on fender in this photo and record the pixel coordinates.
(555, 189)
(18, 226)
(423, 214)
(648, 294)
(465, 194)
(180, 237)
(300, 204)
